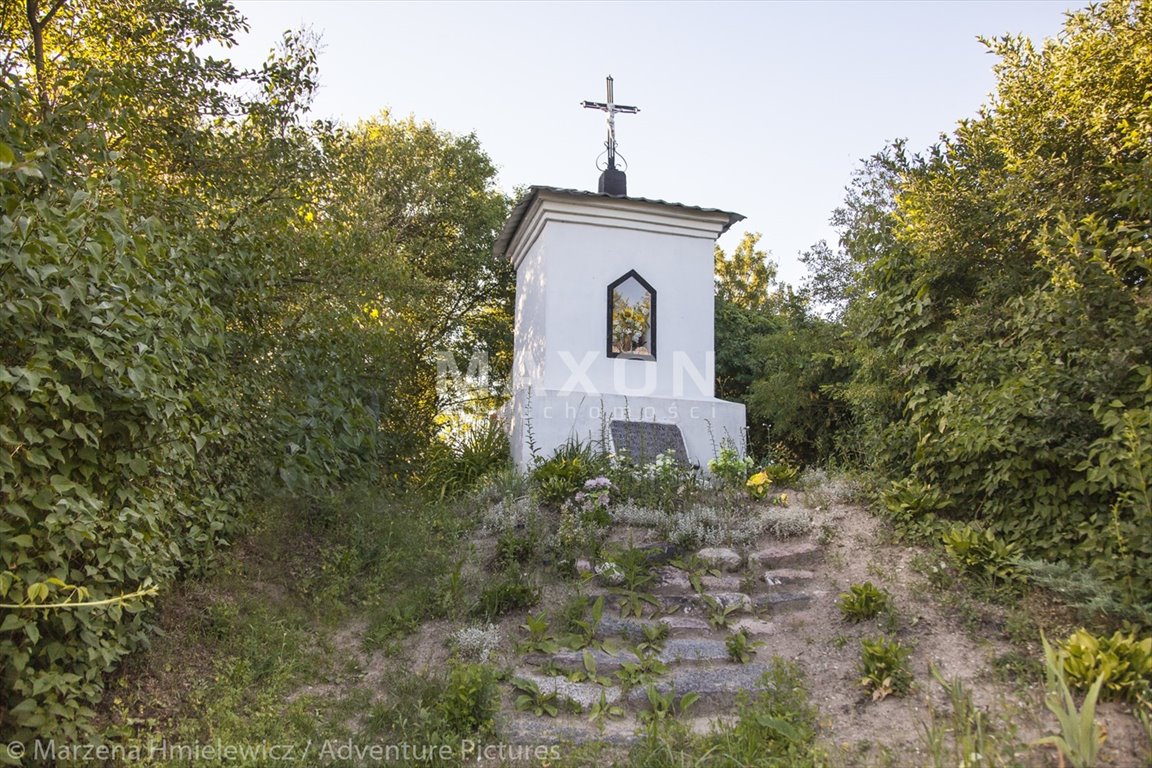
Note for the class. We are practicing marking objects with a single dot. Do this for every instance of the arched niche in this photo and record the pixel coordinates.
(631, 318)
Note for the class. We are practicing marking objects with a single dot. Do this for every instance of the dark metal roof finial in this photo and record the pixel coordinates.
(612, 180)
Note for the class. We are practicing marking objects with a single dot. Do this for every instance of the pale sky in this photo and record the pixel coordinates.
(763, 108)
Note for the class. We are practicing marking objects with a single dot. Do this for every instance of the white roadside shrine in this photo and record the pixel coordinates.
(614, 323)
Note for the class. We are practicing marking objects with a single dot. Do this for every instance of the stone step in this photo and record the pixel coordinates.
(527, 728)
(787, 576)
(787, 554)
(781, 601)
(754, 626)
(718, 685)
(582, 695)
(675, 602)
(676, 650)
(721, 558)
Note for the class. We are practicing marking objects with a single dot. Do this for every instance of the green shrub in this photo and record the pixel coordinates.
(515, 548)
(978, 552)
(782, 475)
(469, 701)
(863, 601)
(1121, 661)
(730, 467)
(776, 726)
(913, 507)
(453, 468)
(884, 667)
(561, 476)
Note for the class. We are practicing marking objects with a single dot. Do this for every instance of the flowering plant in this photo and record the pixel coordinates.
(757, 485)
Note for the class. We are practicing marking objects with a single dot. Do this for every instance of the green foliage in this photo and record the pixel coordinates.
(583, 622)
(539, 639)
(636, 575)
(884, 667)
(470, 699)
(696, 568)
(782, 474)
(197, 305)
(777, 726)
(515, 548)
(978, 552)
(719, 614)
(740, 648)
(562, 475)
(1080, 738)
(451, 470)
(655, 636)
(588, 672)
(648, 669)
(665, 706)
(965, 736)
(913, 507)
(602, 710)
(863, 601)
(1121, 663)
(532, 699)
(730, 467)
(997, 309)
(512, 591)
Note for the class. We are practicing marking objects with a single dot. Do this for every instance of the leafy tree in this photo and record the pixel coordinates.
(774, 355)
(1001, 305)
(201, 293)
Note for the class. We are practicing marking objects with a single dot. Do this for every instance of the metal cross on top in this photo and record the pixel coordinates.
(612, 108)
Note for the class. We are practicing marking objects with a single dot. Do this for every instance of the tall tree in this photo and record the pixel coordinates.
(1003, 321)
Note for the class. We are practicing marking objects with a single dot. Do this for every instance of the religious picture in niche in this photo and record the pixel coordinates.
(632, 318)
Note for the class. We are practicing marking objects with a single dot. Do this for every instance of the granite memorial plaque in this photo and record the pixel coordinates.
(643, 441)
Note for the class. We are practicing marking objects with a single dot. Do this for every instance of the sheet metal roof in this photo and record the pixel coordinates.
(500, 248)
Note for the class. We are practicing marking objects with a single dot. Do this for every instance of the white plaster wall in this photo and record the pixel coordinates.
(546, 419)
(531, 304)
(582, 260)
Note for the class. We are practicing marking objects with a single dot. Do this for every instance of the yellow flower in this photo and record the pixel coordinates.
(758, 485)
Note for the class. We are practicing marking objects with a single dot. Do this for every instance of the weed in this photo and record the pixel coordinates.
(532, 699)
(696, 568)
(740, 648)
(665, 706)
(539, 639)
(511, 593)
(647, 669)
(515, 548)
(775, 727)
(964, 737)
(583, 629)
(863, 601)
(469, 701)
(719, 615)
(602, 710)
(913, 508)
(1080, 738)
(655, 636)
(560, 477)
(980, 554)
(589, 673)
(884, 668)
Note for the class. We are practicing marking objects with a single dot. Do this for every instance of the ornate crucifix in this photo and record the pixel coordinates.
(611, 107)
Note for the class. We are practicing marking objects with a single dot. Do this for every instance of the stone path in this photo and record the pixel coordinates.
(763, 586)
